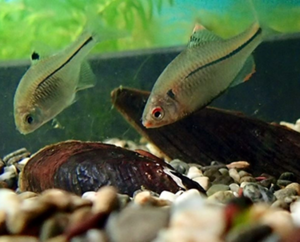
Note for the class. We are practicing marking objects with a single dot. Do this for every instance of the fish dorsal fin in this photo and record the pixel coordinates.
(202, 35)
(245, 73)
(87, 78)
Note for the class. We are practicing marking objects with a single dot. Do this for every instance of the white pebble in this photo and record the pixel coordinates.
(89, 196)
(234, 175)
(295, 213)
(9, 172)
(203, 181)
(194, 172)
(165, 195)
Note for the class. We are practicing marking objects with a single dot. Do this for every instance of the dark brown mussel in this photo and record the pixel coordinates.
(78, 167)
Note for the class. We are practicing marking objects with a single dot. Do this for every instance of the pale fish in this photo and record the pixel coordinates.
(51, 83)
(200, 73)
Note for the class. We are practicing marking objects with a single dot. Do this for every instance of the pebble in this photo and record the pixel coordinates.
(18, 239)
(257, 193)
(221, 196)
(216, 188)
(295, 186)
(280, 221)
(234, 187)
(194, 172)
(233, 173)
(203, 181)
(288, 176)
(145, 198)
(247, 179)
(180, 166)
(106, 200)
(286, 192)
(224, 171)
(168, 196)
(137, 224)
(238, 165)
(212, 173)
(225, 180)
(283, 183)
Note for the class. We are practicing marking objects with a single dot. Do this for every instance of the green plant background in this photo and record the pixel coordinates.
(51, 25)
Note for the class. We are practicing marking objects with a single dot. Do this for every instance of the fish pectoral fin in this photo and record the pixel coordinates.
(87, 78)
(245, 73)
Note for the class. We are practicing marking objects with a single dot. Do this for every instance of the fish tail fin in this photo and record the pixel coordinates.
(101, 31)
(268, 33)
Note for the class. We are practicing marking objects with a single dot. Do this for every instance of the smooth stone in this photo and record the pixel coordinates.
(203, 181)
(79, 215)
(221, 196)
(96, 235)
(91, 195)
(225, 180)
(146, 198)
(234, 187)
(56, 197)
(135, 224)
(106, 200)
(238, 165)
(244, 173)
(180, 166)
(27, 195)
(247, 179)
(216, 188)
(283, 183)
(19, 238)
(166, 195)
(280, 204)
(224, 171)
(288, 176)
(295, 186)
(189, 195)
(258, 193)
(295, 212)
(54, 226)
(194, 172)
(124, 199)
(233, 173)
(280, 221)
(286, 192)
(212, 173)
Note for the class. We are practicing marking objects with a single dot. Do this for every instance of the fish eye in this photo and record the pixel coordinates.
(29, 119)
(158, 113)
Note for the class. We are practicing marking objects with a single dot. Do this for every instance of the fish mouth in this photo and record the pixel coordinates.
(147, 124)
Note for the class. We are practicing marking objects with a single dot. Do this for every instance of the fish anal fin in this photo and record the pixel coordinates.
(245, 73)
(87, 78)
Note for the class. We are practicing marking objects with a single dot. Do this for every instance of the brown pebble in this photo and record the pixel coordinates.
(106, 200)
(54, 226)
(79, 215)
(238, 165)
(295, 186)
(18, 239)
(59, 198)
(145, 198)
(27, 194)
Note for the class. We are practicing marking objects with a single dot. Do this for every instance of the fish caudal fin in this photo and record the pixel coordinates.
(245, 73)
(102, 32)
(87, 78)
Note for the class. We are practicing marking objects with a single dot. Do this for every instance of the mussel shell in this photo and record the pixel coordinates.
(78, 167)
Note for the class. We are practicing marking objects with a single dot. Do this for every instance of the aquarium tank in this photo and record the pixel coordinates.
(155, 32)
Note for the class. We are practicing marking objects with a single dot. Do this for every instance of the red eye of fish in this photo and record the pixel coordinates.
(157, 113)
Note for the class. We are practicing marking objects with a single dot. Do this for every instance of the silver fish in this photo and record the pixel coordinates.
(200, 73)
(51, 83)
